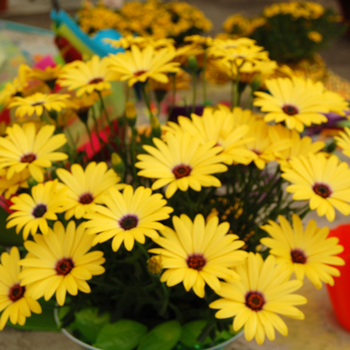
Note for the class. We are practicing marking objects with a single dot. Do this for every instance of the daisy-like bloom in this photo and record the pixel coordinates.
(199, 253)
(140, 41)
(8, 187)
(15, 303)
(38, 103)
(128, 217)
(31, 212)
(324, 181)
(85, 187)
(139, 65)
(15, 87)
(262, 145)
(307, 252)
(60, 262)
(181, 162)
(48, 76)
(343, 141)
(264, 292)
(301, 146)
(87, 77)
(24, 148)
(296, 101)
(219, 126)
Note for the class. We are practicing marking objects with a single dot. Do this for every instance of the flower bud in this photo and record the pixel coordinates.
(118, 164)
(154, 265)
(130, 112)
(156, 130)
(192, 63)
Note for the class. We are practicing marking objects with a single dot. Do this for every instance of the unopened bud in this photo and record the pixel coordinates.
(130, 113)
(118, 164)
(154, 265)
(192, 63)
(156, 130)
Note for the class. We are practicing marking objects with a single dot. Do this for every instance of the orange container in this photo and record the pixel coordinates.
(340, 292)
(3, 5)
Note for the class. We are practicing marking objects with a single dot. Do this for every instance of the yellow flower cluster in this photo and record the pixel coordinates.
(173, 19)
(307, 9)
(173, 190)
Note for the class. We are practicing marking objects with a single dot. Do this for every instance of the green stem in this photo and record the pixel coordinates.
(194, 95)
(105, 111)
(203, 78)
(90, 137)
(146, 98)
(173, 94)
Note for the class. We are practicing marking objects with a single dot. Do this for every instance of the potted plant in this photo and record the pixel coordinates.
(183, 234)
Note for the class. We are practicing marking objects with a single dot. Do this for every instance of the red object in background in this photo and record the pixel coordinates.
(67, 50)
(3, 5)
(340, 292)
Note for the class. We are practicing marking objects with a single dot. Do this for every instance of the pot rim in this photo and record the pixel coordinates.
(91, 347)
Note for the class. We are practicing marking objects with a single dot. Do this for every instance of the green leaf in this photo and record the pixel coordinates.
(191, 331)
(163, 337)
(121, 335)
(89, 323)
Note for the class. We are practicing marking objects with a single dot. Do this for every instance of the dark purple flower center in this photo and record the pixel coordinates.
(86, 198)
(196, 262)
(181, 171)
(298, 256)
(39, 211)
(255, 301)
(28, 158)
(64, 266)
(16, 292)
(290, 110)
(128, 222)
(95, 81)
(322, 190)
(139, 72)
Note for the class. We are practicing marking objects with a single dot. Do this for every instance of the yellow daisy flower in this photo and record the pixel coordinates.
(219, 126)
(198, 253)
(59, 262)
(343, 141)
(8, 187)
(23, 148)
(307, 252)
(48, 76)
(262, 144)
(87, 77)
(85, 188)
(38, 103)
(295, 101)
(15, 87)
(300, 146)
(139, 65)
(15, 303)
(128, 217)
(31, 212)
(181, 162)
(264, 292)
(325, 182)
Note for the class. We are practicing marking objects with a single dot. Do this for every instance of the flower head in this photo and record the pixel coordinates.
(181, 162)
(87, 77)
(198, 253)
(24, 148)
(127, 217)
(15, 303)
(295, 101)
(139, 65)
(86, 187)
(31, 212)
(264, 292)
(60, 262)
(38, 103)
(325, 182)
(305, 252)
